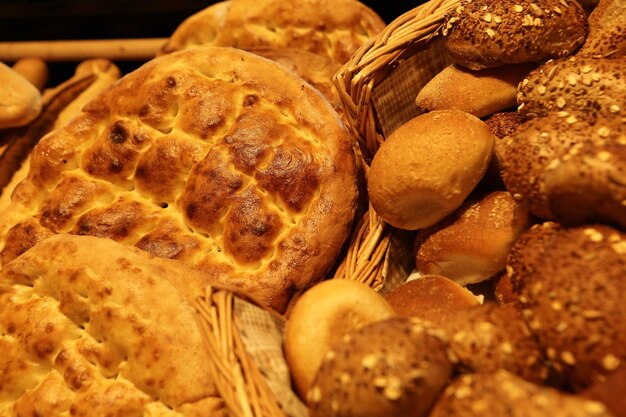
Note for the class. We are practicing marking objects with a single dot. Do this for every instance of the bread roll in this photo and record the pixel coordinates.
(502, 394)
(472, 244)
(479, 93)
(321, 317)
(35, 70)
(607, 31)
(394, 367)
(431, 298)
(428, 167)
(610, 392)
(20, 101)
(486, 34)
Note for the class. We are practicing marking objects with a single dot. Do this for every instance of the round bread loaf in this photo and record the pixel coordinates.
(427, 168)
(35, 70)
(572, 299)
(484, 34)
(472, 244)
(321, 317)
(490, 336)
(577, 88)
(607, 31)
(568, 171)
(332, 28)
(394, 367)
(213, 156)
(502, 394)
(480, 93)
(431, 297)
(20, 101)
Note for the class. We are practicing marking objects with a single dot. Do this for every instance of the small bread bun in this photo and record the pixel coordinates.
(577, 88)
(490, 336)
(20, 101)
(35, 70)
(472, 244)
(502, 394)
(321, 317)
(431, 297)
(487, 34)
(395, 367)
(607, 31)
(573, 301)
(479, 93)
(428, 167)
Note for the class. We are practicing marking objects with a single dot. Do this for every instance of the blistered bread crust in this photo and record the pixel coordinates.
(486, 34)
(326, 27)
(216, 157)
(90, 327)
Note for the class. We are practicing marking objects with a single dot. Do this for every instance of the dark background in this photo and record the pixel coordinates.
(31, 20)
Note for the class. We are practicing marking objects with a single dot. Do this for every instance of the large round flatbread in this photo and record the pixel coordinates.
(213, 156)
(89, 327)
(332, 28)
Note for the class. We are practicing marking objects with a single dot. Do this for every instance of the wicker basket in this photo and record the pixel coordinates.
(378, 87)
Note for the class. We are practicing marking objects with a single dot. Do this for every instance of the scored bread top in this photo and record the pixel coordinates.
(333, 28)
(213, 156)
(89, 327)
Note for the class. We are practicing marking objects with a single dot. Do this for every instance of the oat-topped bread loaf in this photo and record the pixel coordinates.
(213, 156)
(89, 327)
(334, 28)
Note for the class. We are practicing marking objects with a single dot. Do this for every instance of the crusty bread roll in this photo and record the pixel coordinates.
(485, 34)
(35, 70)
(607, 31)
(394, 367)
(431, 298)
(92, 328)
(321, 317)
(20, 101)
(501, 394)
(428, 167)
(480, 93)
(472, 244)
(573, 301)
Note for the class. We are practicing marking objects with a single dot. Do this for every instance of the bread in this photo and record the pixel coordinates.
(501, 124)
(577, 88)
(568, 170)
(486, 34)
(472, 244)
(334, 29)
(504, 394)
(35, 70)
(394, 367)
(480, 93)
(91, 327)
(610, 392)
(607, 31)
(427, 168)
(257, 190)
(572, 300)
(489, 337)
(431, 298)
(20, 101)
(321, 317)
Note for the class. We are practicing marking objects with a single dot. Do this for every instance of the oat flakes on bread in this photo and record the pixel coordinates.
(607, 31)
(91, 327)
(486, 34)
(572, 299)
(213, 156)
(335, 29)
(576, 88)
(502, 394)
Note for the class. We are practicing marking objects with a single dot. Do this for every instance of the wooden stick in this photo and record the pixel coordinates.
(112, 49)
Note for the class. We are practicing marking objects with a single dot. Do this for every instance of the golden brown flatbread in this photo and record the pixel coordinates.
(333, 28)
(213, 156)
(90, 327)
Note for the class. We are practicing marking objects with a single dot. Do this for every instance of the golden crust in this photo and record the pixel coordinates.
(607, 31)
(90, 327)
(485, 34)
(214, 156)
(326, 27)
